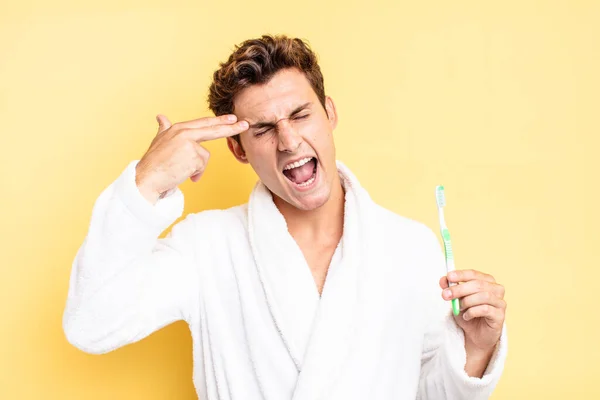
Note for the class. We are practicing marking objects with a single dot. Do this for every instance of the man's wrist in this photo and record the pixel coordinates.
(144, 188)
(477, 359)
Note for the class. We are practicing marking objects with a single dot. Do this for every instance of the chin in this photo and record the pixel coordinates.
(310, 203)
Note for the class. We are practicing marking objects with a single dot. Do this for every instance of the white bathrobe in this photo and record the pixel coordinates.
(260, 330)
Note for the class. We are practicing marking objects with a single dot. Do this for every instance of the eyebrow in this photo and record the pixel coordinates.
(294, 112)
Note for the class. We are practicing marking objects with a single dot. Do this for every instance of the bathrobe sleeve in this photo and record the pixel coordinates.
(126, 283)
(444, 357)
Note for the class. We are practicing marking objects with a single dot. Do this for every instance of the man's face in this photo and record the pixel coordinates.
(290, 140)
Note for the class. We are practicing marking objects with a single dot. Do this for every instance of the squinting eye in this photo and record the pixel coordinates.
(261, 132)
(302, 116)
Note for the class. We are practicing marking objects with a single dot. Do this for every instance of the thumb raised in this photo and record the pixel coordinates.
(163, 123)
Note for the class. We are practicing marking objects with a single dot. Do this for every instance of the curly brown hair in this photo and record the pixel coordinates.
(255, 61)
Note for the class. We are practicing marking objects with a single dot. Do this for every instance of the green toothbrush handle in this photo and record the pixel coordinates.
(455, 306)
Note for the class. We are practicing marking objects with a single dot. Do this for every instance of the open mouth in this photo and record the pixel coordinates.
(303, 172)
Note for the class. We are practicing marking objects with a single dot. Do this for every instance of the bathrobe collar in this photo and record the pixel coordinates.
(316, 331)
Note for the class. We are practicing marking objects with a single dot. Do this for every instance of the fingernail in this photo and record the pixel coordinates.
(244, 124)
(447, 293)
(452, 275)
(232, 117)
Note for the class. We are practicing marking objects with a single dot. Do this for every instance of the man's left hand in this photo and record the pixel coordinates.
(482, 307)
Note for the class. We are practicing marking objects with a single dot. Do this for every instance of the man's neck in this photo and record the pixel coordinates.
(324, 224)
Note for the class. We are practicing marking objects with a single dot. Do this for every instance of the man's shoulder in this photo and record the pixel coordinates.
(393, 222)
(213, 223)
(221, 217)
(394, 229)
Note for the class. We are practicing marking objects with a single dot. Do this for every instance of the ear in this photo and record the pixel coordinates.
(331, 112)
(237, 150)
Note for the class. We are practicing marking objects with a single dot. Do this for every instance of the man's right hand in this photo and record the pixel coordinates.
(175, 154)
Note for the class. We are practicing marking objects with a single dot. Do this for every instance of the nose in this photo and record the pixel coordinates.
(289, 140)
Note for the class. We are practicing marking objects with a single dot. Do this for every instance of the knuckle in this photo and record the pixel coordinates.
(479, 285)
(191, 146)
(487, 296)
(500, 314)
(203, 159)
(465, 275)
(198, 152)
(465, 303)
(182, 131)
(230, 128)
(502, 290)
(203, 152)
(191, 168)
(200, 163)
(215, 130)
(195, 162)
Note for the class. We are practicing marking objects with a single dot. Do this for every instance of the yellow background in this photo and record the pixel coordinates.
(497, 101)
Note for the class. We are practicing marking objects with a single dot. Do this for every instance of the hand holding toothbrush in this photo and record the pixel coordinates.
(482, 307)
(477, 301)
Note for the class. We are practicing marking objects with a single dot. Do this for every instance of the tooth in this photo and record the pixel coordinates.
(298, 163)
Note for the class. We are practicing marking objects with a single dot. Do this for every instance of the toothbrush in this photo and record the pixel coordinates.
(440, 198)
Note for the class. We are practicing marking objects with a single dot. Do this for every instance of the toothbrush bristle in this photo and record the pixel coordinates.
(440, 197)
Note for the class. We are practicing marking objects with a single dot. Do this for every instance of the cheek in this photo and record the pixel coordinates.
(263, 153)
(323, 138)
(318, 133)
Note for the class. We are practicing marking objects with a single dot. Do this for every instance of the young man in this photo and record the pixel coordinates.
(310, 290)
